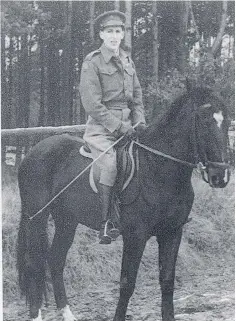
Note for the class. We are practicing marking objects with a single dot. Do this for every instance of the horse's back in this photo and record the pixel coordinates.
(51, 148)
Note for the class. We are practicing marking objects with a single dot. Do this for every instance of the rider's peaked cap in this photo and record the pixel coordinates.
(113, 18)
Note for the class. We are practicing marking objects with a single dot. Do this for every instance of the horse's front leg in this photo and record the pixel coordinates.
(133, 247)
(169, 243)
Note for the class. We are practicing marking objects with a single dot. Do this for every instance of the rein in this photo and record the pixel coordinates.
(200, 166)
(157, 152)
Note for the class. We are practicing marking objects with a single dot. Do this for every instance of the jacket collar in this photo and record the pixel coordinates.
(108, 54)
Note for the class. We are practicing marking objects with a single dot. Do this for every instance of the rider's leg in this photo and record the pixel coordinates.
(105, 190)
(105, 194)
(100, 141)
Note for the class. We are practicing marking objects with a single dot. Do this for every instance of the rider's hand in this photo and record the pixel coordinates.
(127, 130)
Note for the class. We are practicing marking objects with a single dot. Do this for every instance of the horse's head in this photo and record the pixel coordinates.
(211, 125)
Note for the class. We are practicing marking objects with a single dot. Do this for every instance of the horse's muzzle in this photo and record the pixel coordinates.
(217, 175)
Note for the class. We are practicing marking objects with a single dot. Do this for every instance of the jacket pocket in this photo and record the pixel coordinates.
(108, 71)
(110, 80)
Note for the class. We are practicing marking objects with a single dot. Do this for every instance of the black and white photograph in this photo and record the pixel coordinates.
(118, 160)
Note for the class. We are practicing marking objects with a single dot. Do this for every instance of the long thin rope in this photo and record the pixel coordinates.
(80, 174)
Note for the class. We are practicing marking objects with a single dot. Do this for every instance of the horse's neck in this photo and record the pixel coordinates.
(156, 171)
(173, 139)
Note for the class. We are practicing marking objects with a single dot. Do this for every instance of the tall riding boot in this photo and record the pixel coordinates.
(105, 195)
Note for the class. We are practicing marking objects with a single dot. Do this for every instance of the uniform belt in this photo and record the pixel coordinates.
(116, 105)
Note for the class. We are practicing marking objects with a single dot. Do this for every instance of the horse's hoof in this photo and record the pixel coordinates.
(67, 314)
(105, 239)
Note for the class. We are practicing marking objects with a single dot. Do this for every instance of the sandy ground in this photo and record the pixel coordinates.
(201, 295)
(99, 304)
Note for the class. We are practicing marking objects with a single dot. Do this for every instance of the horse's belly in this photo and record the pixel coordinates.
(79, 201)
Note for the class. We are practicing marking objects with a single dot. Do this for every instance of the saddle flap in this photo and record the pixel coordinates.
(127, 166)
(127, 161)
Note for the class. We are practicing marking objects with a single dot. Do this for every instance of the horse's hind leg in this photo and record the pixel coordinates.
(168, 250)
(62, 241)
(36, 270)
(134, 244)
(31, 259)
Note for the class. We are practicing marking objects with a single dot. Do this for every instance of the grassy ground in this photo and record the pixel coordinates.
(208, 240)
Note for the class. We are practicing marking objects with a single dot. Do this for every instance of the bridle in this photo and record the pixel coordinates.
(201, 162)
(206, 167)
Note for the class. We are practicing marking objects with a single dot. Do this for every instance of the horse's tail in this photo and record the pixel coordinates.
(32, 248)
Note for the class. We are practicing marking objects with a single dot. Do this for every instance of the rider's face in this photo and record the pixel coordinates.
(112, 37)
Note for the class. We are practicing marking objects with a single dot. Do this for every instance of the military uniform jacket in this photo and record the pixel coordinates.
(109, 87)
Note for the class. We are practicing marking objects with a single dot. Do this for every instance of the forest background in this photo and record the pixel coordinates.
(43, 45)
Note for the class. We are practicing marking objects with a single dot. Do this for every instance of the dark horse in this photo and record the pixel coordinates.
(157, 202)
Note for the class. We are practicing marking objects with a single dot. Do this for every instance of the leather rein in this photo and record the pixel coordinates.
(157, 152)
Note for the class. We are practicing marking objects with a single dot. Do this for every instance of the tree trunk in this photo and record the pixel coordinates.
(42, 78)
(9, 121)
(217, 43)
(199, 39)
(81, 38)
(28, 107)
(53, 92)
(91, 20)
(128, 36)
(67, 70)
(4, 82)
(183, 48)
(72, 75)
(24, 95)
(155, 42)
(18, 86)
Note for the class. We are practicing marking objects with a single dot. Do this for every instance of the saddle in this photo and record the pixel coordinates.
(127, 169)
(127, 166)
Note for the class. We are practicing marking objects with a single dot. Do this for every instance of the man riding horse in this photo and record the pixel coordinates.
(111, 95)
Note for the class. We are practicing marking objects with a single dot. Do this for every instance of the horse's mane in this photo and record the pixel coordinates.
(165, 116)
(198, 96)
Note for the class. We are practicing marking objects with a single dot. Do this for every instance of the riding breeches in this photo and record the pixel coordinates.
(106, 164)
(100, 139)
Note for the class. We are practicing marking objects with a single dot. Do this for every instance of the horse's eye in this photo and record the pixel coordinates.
(206, 116)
